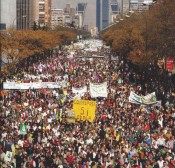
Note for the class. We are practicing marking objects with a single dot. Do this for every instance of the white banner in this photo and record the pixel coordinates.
(98, 90)
(8, 156)
(147, 100)
(34, 85)
(79, 92)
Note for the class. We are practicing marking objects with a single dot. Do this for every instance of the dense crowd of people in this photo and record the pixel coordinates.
(122, 135)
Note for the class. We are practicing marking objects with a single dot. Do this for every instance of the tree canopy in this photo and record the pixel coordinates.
(146, 35)
(19, 44)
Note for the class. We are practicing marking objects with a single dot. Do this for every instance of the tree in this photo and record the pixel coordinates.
(145, 36)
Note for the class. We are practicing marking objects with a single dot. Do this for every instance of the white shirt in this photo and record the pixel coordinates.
(161, 141)
(21, 142)
(89, 141)
(160, 163)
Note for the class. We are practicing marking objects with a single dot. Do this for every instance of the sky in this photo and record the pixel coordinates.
(90, 15)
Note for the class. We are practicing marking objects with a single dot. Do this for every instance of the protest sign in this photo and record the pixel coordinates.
(98, 90)
(8, 156)
(147, 100)
(23, 129)
(84, 110)
(70, 116)
(79, 92)
(34, 85)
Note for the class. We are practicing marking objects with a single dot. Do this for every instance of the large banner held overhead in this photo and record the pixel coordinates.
(84, 110)
(98, 90)
(34, 85)
(79, 92)
(147, 100)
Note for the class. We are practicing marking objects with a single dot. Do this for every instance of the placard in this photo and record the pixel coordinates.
(84, 110)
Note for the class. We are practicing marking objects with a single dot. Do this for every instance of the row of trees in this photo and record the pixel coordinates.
(20, 44)
(145, 36)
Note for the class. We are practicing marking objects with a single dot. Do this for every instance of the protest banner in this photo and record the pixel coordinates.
(34, 85)
(147, 100)
(79, 92)
(23, 129)
(98, 90)
(8, 156)
(70, 116)
(134, 98)
(84, 110)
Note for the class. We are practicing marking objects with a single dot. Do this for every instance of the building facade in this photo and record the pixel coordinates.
(102, 14)
(23, 14)
(80, 12)
(41, 10)
(57, 17)
(114, 10)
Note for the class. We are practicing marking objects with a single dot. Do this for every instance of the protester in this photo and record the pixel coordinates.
(122, 134)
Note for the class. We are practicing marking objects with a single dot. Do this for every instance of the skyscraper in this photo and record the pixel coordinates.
(102, 14)
(22, 8)
(43, 12)
(80, 10)
(114, 10)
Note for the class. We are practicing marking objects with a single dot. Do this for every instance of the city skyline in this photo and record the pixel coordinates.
(90, 15)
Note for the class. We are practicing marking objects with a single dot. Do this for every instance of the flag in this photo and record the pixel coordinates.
(23, 129)
(8, 156)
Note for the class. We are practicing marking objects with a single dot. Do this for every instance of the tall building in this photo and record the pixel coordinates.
(114, 10)
(24, 14)
(140, 4)
(57, 17)
(80, 11)
(7, 14)
(102, 14)
(125, 7)
(90, 14)
(42, 12)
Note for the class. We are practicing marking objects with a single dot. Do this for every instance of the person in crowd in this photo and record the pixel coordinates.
(122, 134)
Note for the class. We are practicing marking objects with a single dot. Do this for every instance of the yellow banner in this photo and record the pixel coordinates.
(84, 110)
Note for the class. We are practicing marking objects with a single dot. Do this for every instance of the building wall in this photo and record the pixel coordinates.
(57, 17)
(102, 14)
(98, 14)
(24, 10)
(44, 8)
(48, 4)
(8, 13)
(35, 7)
(125, 7)
(105, 13)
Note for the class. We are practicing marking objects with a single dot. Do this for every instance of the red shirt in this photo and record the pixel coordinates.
(104, 116)
(70, 159)
(26, 143)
